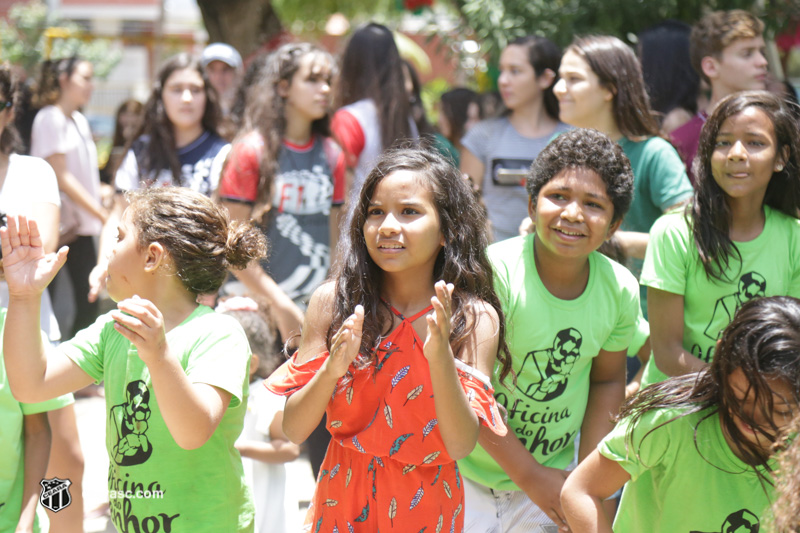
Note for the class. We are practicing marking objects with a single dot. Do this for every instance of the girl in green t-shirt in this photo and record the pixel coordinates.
(695, 450)
(174, 372)
(739, 238)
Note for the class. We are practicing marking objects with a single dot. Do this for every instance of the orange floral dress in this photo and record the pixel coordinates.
(386, 467)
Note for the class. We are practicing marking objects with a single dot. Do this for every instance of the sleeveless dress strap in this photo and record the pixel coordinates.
(412, 318)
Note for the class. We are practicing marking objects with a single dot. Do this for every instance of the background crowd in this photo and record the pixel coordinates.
(678, 160)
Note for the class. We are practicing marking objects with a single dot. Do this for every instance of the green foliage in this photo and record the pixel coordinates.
(496, 22)
(314, 13)
(23, 40)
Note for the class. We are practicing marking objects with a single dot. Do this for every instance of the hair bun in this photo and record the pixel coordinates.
(245, 244)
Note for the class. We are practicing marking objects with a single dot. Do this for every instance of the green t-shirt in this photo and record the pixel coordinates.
(770, 267)
(12, 444)
(553, 343)
(660, 182)
(682, 482)
(203, 489)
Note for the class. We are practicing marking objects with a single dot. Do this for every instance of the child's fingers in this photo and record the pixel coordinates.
(35, 237)
(138, 312)
(5, 241)
(127, 333)
(23, 231)
(358, 318)
(13, 234)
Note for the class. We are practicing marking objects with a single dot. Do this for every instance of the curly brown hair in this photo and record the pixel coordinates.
(592, 150)
(197, 234)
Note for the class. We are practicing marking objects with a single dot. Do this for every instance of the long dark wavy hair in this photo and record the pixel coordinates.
(265, 107)
(462, 261)
(372, 68)
(763, 341)
(619, 71)
(543, 54)
(709, 214)
(161, 152)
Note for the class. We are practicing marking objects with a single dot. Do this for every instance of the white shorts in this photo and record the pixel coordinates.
(502, 511)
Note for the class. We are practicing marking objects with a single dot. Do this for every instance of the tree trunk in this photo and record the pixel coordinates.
(244, 24)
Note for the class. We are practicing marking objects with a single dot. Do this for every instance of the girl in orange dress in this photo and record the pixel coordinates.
(398, 351)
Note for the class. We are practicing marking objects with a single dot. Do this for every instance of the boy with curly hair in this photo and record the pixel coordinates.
(571, 315)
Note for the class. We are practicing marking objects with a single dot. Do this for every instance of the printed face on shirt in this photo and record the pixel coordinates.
(308, 94)
(77, 88)
(126, 262)
(573, 213)
(518, 83)
(745, 155)
(581, 97)
(184, 99)
(782, 415)
(402, 229)
(742, 66)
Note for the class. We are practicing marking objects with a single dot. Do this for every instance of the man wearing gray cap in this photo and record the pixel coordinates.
(223, 65)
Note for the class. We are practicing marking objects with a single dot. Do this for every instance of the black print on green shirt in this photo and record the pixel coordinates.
(742, 521)
(751, 285)
(551, 366)
(130, 420)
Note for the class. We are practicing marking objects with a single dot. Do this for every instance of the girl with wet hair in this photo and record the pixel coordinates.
(374, 112)
(601, 87)
(711, 433)
(737, 240)
(187, 364)
(397, 351)
(497, 153)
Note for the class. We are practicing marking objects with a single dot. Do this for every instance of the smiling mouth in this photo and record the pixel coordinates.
(568, 233)
(390, 247)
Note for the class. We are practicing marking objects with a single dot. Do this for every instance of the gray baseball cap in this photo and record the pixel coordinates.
(221, 52)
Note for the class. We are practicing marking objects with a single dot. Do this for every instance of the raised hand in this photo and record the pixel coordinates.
(28, 269)
(140, 321)
(437, 341)
(345, 345)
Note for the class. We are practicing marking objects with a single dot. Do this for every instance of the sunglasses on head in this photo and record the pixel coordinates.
(5, 104)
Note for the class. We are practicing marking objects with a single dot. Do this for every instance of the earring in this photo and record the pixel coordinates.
(779, 168)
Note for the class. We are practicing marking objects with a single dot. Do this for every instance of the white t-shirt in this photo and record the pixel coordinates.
(55, 133)
(30, 180)
(267, 480)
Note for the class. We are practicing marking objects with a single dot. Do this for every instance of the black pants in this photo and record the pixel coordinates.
(81, 260)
